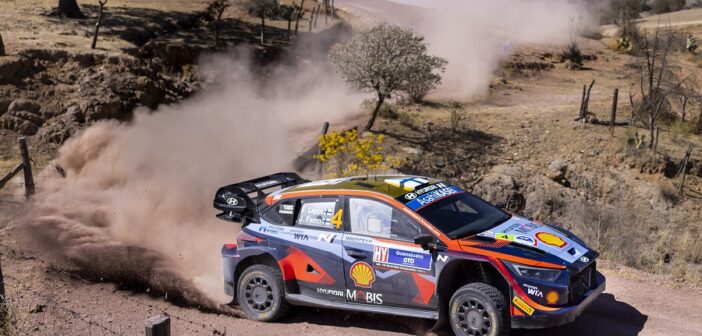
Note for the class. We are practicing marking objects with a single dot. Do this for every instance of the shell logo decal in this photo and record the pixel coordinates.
(551, 239)
(362, 274)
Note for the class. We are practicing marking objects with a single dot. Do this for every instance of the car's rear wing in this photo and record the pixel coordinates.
(241, 201)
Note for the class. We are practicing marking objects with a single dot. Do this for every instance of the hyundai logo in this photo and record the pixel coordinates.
(411, 196)
(232, 201)
(584, 259)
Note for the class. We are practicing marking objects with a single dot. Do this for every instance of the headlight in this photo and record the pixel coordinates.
(538, 273)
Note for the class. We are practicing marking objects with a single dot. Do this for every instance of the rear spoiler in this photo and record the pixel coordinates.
(240, 202)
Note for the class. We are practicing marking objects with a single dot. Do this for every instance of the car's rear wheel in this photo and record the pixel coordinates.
(478, 309)
(261, 294)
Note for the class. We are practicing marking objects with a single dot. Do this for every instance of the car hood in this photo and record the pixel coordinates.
(522, 231)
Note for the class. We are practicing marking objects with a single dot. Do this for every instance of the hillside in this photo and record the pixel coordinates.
(129, 231)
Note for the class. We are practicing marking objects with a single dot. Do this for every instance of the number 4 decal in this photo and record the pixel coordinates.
(337, 220)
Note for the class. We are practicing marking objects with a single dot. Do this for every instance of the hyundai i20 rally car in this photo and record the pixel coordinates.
(400, 245)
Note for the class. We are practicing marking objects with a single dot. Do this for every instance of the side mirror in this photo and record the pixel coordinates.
(424, 240)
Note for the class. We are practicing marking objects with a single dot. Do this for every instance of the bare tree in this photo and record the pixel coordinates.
(70, 9)
(658, 80)
(385, 60)
(215, 11)
(102, 4)
(2, 47)
(261, 9)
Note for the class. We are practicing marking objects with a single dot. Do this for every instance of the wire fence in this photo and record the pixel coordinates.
(49, 311)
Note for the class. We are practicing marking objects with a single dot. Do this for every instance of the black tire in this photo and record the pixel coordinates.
(261, 293)
(478, 309)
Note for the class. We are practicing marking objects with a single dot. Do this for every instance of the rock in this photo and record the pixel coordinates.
(38, 308)
(555, 175)
(570, 65)
(13, 69)
(412, 150)
(56, 133)
(19, 125)
(24, 105)
(558, 165)
(4, 104)
(495, 187)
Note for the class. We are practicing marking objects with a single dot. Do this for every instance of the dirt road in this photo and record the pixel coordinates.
(52, 302)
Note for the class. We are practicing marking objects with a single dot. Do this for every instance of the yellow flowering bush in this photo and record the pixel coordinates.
(347, 154)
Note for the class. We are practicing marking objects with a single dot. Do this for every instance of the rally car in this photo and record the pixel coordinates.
(401, 245)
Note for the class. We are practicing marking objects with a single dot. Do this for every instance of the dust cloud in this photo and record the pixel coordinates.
(476, 36)
(136, 202)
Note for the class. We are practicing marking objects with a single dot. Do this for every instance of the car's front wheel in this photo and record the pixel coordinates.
(478, 309)
(261, 294)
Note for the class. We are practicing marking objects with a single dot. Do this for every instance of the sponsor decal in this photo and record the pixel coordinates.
(442, 258)
(584, 259)
(364, 296)
(286, 209)
(525, 240)
(533, 290)
(380, 254)
(523, 306)
(403, 260)
(432, 197)
(419, 192)
(300, 236)
(358, 239)
(551, 239)
(327, 237)
(552, 297)
(232, 201)
(522, 228)
(409, 183)
(328, 291)
(277, 197)
(354, 295)
(362, 274)
(268, 229)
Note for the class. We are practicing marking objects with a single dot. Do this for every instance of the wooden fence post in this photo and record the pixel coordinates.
(27, 167)
(320, 170)
(3, 300)
(299, 15)
(613, 118)
(582, 103)
(98, 23)
(684, 168)
(316, 17)
(159, 325)
(2, 47)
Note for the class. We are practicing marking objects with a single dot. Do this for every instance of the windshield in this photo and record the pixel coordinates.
(462, 215)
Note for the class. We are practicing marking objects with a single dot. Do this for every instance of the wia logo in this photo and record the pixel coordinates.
(301, 236)
(533, 291)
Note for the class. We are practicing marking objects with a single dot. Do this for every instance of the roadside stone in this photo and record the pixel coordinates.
(24, 105)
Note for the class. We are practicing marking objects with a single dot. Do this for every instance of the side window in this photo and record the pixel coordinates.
(324, 213)
(373, 218)
(282, 213)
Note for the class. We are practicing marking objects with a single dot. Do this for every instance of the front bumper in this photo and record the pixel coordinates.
(561, 316)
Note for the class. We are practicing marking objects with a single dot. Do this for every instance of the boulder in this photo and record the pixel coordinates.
(24, 105)
(495, 187)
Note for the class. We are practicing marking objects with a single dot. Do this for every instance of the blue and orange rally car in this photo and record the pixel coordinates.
(400, 245)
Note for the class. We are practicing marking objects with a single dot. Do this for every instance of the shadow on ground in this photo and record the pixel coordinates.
(605, 317)
(457, 156)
